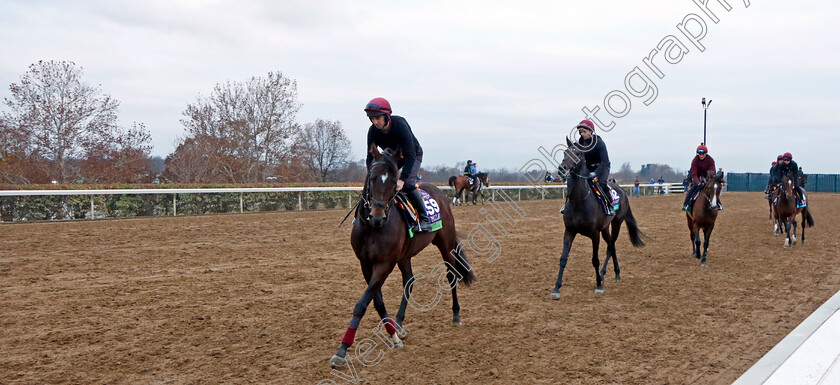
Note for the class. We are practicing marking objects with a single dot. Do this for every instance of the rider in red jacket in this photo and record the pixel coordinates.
(700, 165)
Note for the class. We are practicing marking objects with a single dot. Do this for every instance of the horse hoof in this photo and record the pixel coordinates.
(617, 278)
(555, 295)
(704, 264)
(599, 290)
(456, 320)
(337, 362)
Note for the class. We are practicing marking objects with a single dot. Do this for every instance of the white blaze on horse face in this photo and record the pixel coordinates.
(384, 177)
(714, 196)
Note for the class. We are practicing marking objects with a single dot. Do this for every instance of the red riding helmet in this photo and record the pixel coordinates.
(378, 106)
(778, 158)
(587, 124)
(773, 164)
(788, 155)
(701, 149)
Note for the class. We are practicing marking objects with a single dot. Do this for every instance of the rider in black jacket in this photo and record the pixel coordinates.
(788, 167)
(597, 160)
(391, 132)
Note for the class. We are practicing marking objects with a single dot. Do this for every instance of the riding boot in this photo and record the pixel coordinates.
(719, 205)
(605, 195)
(562, 209)
(423, 224)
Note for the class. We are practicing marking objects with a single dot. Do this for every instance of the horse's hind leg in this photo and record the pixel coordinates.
(444, 251)
(793, 233)
(596, 242)
(616, 228)
(804, 225)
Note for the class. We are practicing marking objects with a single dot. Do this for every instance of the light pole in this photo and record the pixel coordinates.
(705, 107)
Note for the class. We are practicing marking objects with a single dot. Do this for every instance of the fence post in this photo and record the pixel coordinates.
(92, 213)
(519, 195)
(241, 205)
(300, 200)
(174, 205)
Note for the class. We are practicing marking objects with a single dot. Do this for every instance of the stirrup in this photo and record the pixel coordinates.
(422, 227)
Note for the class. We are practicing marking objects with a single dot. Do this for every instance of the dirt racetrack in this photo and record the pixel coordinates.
(266, 298)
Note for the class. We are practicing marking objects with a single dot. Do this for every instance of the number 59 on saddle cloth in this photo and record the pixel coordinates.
(410, 214)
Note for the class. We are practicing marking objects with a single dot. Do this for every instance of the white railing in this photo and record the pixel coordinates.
(667, 188)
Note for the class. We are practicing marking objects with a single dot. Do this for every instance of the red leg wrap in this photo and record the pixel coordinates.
(391, 326)
(349, 337)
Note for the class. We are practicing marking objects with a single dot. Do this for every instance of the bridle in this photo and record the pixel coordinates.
(367, 199)
(583, 177)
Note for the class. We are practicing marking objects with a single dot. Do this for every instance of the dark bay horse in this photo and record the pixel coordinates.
(462, 187)
(380, 241)
(584, 215)
(785, 211)
(704, 214)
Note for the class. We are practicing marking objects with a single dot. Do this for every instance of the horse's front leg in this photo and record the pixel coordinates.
(707, 232)
(787, 233)
(377, 278)
(405, 269)
(695, 241)
(596, 242)
(793, 230)
(568, 238)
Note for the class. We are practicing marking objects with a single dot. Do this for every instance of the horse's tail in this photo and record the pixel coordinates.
(457, 259)
(808, 218)
(452, 180)
(636, 235)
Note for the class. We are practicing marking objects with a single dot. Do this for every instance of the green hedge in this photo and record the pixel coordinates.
(38, 208)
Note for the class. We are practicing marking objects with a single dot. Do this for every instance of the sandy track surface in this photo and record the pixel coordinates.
(265, 298)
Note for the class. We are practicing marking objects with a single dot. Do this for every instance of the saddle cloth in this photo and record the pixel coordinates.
(410, 212)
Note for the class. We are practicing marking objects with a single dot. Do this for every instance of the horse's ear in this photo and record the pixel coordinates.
(374, 151)
(568, 142)
(398, 153)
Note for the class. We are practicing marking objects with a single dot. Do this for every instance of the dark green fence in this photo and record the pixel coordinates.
(756, 181)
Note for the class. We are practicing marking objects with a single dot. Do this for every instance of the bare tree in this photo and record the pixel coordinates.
(60, 115)
(324, 146)
(625, 173)
(123, 156)
(246, 129)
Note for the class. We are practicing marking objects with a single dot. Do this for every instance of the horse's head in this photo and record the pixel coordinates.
(484, 178)
(787, 186)
(713, 187)
(572, 158)
(380, 185)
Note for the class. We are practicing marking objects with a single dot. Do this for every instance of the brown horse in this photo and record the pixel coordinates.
(703, 214)
(380, 241)
(462, 186)
(785, 211)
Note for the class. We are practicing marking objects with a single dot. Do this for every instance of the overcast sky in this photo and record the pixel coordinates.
(486, 80)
